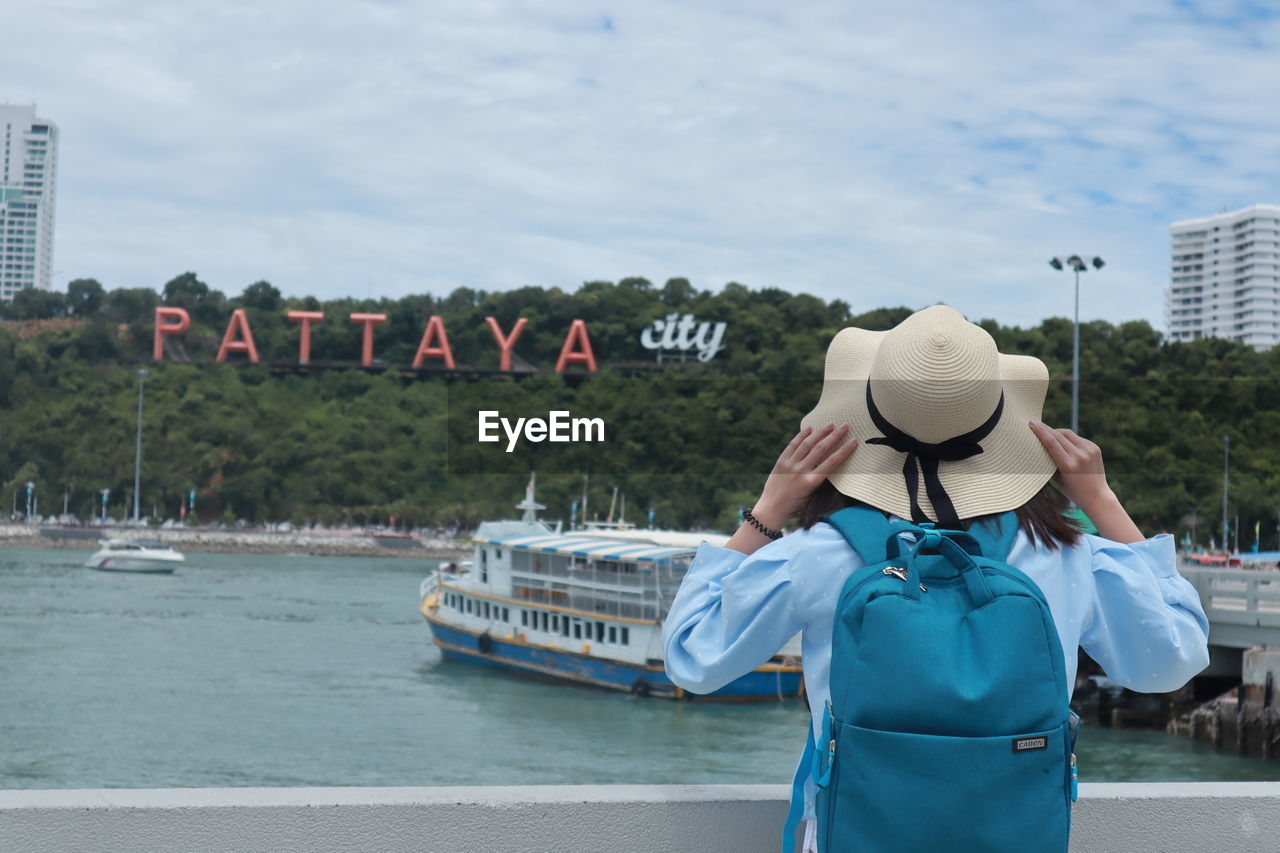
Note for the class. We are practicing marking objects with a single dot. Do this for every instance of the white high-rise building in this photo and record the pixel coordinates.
(28, 179)
(1225, 277)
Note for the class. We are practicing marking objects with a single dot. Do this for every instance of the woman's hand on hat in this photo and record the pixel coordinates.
(803, 466)
(1084, 482)
(1081, 475)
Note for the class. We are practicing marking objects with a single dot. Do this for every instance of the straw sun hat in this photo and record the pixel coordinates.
(941, 417)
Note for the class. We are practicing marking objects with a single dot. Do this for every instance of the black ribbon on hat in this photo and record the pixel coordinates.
(924, 456)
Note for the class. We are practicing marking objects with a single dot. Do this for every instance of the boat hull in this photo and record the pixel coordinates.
(512, 654)
(120, 564)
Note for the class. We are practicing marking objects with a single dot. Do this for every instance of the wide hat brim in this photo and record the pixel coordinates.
(1012, 467)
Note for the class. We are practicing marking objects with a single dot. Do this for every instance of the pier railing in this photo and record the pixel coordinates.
(1239, 817)
(1243, 605)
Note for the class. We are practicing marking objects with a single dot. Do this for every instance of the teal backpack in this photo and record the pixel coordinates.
(948, 727)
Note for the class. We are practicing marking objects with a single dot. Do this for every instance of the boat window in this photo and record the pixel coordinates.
(486, 610)
(626, 638)
(577, 630)
(524, 618)
(555, 623)
(545, 619)
(564, 625)
(506, 614)
(468, 605)
(613, 633)
(599, 632)
(497, 553)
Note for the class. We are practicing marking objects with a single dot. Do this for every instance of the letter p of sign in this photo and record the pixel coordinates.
(164, 328)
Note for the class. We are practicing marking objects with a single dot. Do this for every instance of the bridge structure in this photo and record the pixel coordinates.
(1243, 606)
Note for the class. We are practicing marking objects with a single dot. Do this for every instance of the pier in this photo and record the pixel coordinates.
(1240, 817)
(1243, 606)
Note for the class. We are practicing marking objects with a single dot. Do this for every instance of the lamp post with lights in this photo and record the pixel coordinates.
(137, 453)
(1077, 266)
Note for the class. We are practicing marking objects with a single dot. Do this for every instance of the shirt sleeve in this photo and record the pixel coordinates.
(732, 613)
(1146, 627)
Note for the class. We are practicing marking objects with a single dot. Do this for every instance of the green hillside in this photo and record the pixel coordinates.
(693, 441)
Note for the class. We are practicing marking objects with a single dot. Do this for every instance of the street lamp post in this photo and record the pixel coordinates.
(137, 455)
(1077, 266)
(1226, 461)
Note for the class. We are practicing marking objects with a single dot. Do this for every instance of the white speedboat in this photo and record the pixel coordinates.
(135, 555)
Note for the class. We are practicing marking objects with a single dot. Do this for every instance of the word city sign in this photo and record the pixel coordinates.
(674, 333)
(684, 334)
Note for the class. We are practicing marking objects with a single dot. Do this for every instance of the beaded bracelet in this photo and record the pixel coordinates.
(755, 522)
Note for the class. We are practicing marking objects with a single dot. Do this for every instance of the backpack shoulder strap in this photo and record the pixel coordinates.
(796, 810)
(865, 528)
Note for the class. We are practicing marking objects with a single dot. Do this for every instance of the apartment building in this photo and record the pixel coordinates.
(1224, 277)
(28, 179)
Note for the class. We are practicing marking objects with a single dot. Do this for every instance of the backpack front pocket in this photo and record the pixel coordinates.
(896, 791)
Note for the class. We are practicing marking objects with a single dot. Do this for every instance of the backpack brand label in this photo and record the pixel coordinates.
(1028, 744)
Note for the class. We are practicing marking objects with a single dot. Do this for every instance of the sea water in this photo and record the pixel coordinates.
(244, 670)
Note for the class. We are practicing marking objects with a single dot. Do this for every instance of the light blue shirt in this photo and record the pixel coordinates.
(1126, 605)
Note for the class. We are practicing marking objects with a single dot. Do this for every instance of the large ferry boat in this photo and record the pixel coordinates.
(584, 607)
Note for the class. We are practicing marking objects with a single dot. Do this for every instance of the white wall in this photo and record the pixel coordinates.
(1239, 817)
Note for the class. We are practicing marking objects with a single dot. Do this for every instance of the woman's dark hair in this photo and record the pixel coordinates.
(1043, 518)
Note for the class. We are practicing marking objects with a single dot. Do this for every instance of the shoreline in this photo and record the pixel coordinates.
(308, 544)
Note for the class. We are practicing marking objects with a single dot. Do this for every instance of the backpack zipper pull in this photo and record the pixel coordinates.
(1075, 780)
(901, 574)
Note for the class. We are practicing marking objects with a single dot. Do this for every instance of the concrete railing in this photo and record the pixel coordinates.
(1239, 817)
(1243, 605)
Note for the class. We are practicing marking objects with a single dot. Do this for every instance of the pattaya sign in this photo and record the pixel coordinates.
(434, 344)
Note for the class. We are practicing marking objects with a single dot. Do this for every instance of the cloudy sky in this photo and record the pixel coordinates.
(883, 153)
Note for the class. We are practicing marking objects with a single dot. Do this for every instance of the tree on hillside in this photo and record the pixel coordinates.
(677, 291)
(185, 290)
(31, 303)
(203, 302)
(85, 297)
(131, 304)
(261, 295)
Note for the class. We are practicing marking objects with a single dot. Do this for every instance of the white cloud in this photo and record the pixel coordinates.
(882, 154)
